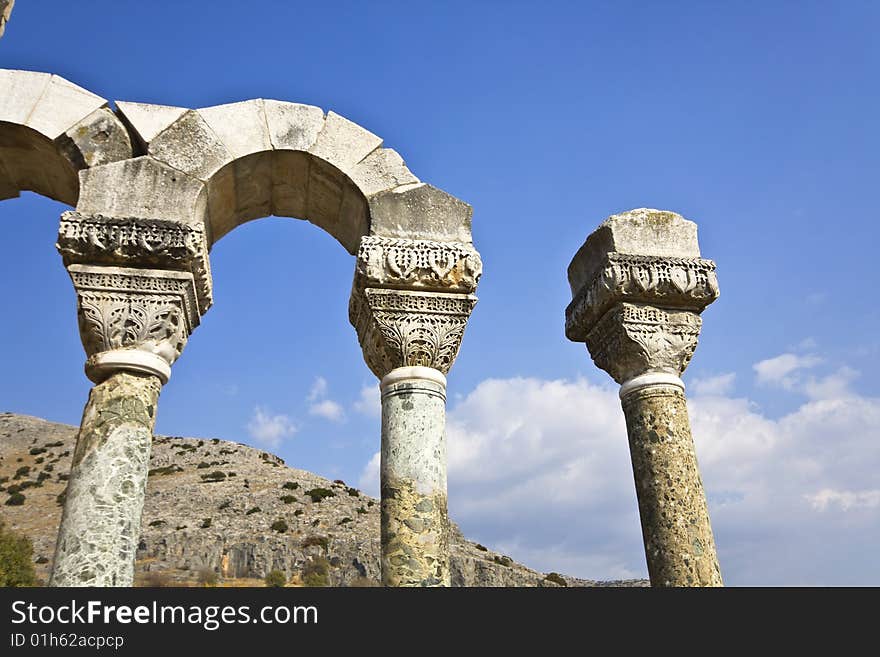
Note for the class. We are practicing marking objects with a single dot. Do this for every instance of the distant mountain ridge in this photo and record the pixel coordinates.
(231, 510)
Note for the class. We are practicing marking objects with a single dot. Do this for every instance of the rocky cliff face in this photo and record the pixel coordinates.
(231, 509)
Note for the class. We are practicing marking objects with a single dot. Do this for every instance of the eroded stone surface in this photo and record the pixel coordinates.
(343, 143)
(639, 232)
(403, 328)
(123, 309)
(293, 126)
(632, 339)
(142, 187)
(147, 120)
(415, 528)
(679, 545)
(5, 11)
(99, 530)
(97, 139)
(190, 145)
(420, 211)
(240, 126)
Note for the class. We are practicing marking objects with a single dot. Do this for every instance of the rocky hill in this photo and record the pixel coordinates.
(233, 510)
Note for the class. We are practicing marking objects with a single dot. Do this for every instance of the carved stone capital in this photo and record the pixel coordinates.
(136, 242)
(136, 319)
(417, 264)
(404, 328)
(632, 339)
(686, 283)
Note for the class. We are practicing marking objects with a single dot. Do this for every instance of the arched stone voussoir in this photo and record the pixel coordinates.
(49, 130)
(146, 121)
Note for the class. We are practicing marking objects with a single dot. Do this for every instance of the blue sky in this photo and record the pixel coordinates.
(756, 120)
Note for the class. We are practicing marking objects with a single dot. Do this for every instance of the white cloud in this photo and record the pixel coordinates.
(833, 386)
(327, 409)
(541, 471)
(721, 384)
(369, 480)
(318, 389)
(320, 405)
(845, 499)
(269, 429)
(369, 403)
(780, 370)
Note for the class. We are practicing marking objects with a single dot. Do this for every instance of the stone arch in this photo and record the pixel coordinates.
(50, 129)
(221, 166)
(154, 188)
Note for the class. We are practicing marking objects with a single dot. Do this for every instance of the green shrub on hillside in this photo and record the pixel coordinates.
(317, 494)
(275, 579)
(16, 559)
(316, 572)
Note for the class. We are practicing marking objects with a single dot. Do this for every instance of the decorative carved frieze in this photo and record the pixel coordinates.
(687, 283)
(417, 264)
(632, 339)
(399, 328)
(120, 308)
(136, 242)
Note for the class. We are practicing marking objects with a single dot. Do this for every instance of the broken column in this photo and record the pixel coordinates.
(638, 288)
(134, 323)
(410, 332)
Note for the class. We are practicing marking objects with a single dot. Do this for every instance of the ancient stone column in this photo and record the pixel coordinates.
(415, 536)
(134, 323)
(638, 287)
(410, 333)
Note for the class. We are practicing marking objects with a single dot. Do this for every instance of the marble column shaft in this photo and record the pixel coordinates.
(100, 525)
(415, 530)
(679, 546)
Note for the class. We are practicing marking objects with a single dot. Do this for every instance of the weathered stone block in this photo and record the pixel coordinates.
(326, 187)
(642, 232)
(191, 146)
(61, 105)
(290, 184)
(97, 139)
(240, 126)
(142, 187)
(221, 203)
(354, 219)
(343, 143)
(420, 212)
(293, 126)
(21, 91)
(147, 120)
(253, 186)
(381, 170)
